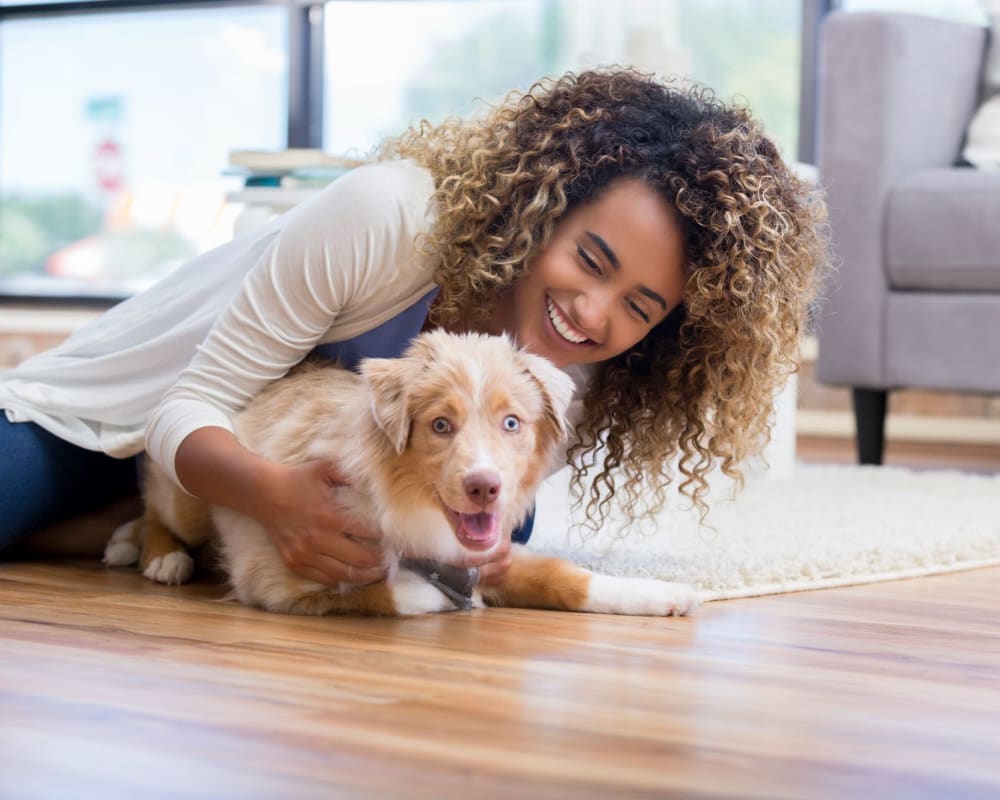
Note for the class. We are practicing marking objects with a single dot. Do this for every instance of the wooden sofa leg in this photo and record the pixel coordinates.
(869, 416)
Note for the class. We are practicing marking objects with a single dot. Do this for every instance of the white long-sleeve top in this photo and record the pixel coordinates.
(193, 349)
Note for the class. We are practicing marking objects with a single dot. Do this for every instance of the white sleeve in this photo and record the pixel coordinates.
(331, 251)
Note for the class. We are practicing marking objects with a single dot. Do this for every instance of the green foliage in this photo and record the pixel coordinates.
(745, 50)
(23, 244)
(749, 52)
(498, 55)
(31, 228)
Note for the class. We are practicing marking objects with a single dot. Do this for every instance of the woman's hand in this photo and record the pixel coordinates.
(296, 504)
(314, 534)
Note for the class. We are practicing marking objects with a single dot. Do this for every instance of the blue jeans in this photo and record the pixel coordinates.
(45, 480)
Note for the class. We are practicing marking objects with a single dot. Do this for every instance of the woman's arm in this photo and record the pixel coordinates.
(346, 249)
(294, 504)
(354, 242)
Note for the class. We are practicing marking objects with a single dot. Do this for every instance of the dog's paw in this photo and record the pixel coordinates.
(173, 568)
(122, 549)
(412, 595)
(640, 596)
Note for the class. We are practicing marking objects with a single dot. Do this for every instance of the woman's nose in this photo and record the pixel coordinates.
(592, 312)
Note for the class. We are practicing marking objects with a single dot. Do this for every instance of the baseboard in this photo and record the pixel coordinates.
(903, 427)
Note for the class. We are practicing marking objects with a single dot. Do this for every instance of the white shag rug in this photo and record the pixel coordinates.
(825, 526)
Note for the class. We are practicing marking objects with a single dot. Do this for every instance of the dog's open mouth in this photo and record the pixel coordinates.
(476, 531)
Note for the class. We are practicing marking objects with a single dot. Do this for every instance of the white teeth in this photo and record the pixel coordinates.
(564, 330)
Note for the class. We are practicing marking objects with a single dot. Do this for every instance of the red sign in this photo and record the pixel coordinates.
(109, 165)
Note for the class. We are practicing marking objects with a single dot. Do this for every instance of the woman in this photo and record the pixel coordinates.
(646, 238)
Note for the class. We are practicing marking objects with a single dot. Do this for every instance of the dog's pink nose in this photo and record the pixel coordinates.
(482, 487)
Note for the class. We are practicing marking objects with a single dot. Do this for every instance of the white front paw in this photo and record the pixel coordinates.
(412, 595)
(122, 548)
(172, 568)
(640, 596)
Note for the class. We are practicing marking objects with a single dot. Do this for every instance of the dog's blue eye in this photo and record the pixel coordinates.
(441, 425)
(511, 423)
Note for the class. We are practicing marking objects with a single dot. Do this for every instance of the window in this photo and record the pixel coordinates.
(110, 165)
(392, 62)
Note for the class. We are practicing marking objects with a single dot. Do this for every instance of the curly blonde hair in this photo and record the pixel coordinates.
(698, 390)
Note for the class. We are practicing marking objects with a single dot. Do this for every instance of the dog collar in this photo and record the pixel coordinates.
(456, 583)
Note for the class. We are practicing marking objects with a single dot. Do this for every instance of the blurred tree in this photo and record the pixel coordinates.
(748, 51)
(33, 227)
(23, 244)
(499, 54)
(35, 232)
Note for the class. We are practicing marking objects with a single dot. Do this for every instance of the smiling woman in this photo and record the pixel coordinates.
(646, 238)
(612, 271)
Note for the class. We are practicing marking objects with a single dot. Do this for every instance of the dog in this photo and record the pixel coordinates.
(445, 447)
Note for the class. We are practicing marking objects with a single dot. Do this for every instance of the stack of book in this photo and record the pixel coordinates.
(295, 168)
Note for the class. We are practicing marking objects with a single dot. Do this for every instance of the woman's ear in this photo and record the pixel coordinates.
(386, 379)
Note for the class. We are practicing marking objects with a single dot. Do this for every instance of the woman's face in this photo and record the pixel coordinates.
(612, 271)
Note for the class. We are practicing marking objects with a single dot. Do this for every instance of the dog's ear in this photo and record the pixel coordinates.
(557, 389)
(387, 380)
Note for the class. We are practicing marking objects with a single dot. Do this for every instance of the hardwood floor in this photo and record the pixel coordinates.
(112, 687)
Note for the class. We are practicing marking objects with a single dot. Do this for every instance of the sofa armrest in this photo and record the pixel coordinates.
(896, 92)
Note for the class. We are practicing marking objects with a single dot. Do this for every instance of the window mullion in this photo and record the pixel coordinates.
(305, 75)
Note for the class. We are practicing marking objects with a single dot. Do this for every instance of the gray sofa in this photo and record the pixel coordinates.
(915, 298)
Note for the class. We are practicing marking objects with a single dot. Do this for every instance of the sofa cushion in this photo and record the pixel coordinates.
(943, 231)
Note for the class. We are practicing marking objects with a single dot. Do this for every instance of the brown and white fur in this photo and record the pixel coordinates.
(445, 447)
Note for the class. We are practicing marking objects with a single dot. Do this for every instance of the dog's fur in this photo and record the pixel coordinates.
(445, 448)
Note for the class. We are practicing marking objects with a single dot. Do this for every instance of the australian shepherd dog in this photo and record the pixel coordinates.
(445, 448)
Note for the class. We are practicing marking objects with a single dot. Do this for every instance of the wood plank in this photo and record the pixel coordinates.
(113, 687)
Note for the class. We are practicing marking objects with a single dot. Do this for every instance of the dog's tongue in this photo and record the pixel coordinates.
(479, 527)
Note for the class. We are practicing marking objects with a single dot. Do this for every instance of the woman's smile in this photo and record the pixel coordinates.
(563, 328)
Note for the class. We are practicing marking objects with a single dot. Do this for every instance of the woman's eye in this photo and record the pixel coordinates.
(441, 425)
(638, 311)
(511, 423)
(592, 265)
